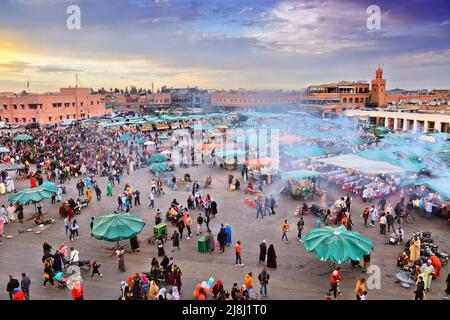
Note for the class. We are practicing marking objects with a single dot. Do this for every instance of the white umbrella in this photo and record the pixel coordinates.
(149, 143)
(4, 149)
(166, 152)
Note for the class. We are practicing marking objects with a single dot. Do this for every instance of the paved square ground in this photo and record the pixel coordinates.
(300, 275)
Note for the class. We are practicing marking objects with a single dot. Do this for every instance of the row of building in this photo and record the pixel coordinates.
(356, 98)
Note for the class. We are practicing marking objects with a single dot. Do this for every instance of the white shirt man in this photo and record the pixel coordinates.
(373, 212)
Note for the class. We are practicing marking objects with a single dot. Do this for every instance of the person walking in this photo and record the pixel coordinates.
(271, 257)
(96, 269)
(12, 284)
(175, 240)
(300, 225)
(199, 223)
(180, 226)
(373, 212)
(249, 283)
(285, 229)
(420, 289)
(262, 252)
(74, 230)
(360, 288)
(98, 192)
(383, 222)
(48, 274)
(334, 283)
(222, 238)
(365, 216)
(119, 203)
(238, 254)
(189, 226)
(137, 197)
(263, 278)
(207, 220)
(366, 259)
(109, 188)
(273, 204)
(25, 284)
(390, 222)
(152, 200)
(67, 224)
(259, 208)
(91, 225)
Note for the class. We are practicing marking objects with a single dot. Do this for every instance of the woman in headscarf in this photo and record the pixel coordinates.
(175, 293)
(217, 289)
(271, 257)
(175, 240)
(162, 295)
(19, 211)
(153, 291)
(121, 256)
(262, 252)
(161, 252)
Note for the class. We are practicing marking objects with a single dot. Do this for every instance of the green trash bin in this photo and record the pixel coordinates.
(202, 245)
(160, 230)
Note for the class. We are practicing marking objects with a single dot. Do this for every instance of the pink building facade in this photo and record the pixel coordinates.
(51, 108)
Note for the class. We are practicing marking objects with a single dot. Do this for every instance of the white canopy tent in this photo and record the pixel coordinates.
(362, 165)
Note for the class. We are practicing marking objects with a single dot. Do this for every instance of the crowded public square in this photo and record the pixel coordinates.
(223, 206)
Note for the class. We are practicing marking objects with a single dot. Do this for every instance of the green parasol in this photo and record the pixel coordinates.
(117, 227)
(49, 186)
(159, 167)
(338, 244)
(30, 195)
(126, 137)
(14, 167)
(23, 137)
(157, 158)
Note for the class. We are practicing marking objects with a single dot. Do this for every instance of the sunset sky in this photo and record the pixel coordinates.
(216, 44)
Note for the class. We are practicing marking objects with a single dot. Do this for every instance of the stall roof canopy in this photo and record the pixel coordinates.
(305, 151)
(362, 165)
(300, 174)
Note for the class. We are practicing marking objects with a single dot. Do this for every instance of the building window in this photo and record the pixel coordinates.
(33, 119)
(81, 103)
(92, 103)
(5, 106)
(344, 100)
(68, 117)
(6, 120)
(356, 100)
(16, 120)
(350, 100)
(24, 120)
(50, 119)
(73, 104)
(15, 106)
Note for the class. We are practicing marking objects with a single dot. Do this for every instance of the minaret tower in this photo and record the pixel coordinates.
(378, 94)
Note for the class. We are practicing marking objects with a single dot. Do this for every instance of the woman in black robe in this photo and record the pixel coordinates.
(262, 252)
(271, 257)
(161, 252)
(134, 243)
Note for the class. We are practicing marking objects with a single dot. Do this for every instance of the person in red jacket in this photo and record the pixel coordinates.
(238, 255)
(18, 294)
(77, 292)
(335, 279)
